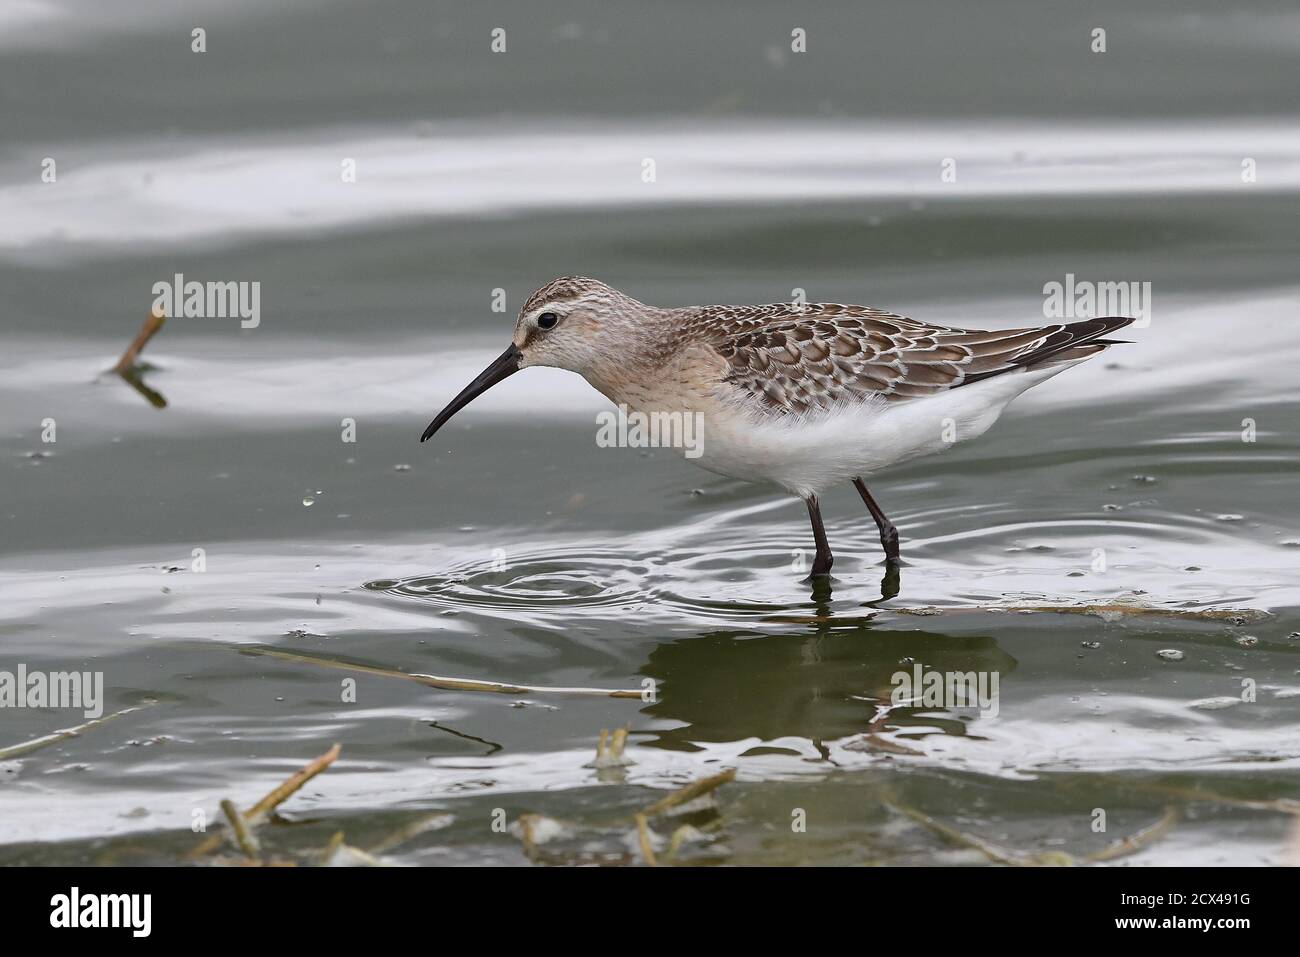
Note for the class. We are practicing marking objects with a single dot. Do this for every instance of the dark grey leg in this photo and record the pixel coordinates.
(888, 533)
(822, 563)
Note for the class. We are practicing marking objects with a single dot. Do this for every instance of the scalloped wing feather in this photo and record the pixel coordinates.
(822, 356)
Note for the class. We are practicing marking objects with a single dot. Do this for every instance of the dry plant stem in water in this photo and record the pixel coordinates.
(262, 809)
(152, 323)
(447, 684)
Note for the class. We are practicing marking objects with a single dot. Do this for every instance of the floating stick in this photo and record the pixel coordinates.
(689, 793)
(447, 684)
(14, 750)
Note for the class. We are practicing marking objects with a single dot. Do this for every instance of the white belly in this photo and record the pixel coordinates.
(808, 455)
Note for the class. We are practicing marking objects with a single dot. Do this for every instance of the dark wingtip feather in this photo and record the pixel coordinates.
(1086, 332)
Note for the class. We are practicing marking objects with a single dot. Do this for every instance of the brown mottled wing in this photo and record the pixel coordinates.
(814, 358)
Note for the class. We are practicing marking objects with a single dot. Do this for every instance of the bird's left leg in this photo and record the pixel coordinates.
(888, 533)
(822, 563)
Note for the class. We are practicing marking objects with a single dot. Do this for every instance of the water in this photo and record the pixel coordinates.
(1113, 549)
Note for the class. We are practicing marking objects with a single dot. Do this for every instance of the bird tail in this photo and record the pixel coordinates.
(1068, 343)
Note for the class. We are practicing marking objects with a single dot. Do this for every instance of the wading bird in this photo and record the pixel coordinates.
(803, 395)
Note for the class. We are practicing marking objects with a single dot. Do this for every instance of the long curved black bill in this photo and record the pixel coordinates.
(502, 367)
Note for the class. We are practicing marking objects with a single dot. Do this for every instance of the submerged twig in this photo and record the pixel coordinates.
(331, 848)
(689, 793)
(14, 750)
(243, 833)
(447, 684)
(992, 852)
(1127, 845)
(422, 825)
(643, 838)
(1200, 795)
(1135, 842)
(1112, 610)
(681, 836)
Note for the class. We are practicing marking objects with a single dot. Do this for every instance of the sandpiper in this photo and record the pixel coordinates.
(803, 395)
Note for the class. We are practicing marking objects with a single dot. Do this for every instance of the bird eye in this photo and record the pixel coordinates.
(547, 320)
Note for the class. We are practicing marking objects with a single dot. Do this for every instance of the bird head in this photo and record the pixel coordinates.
(565, 324)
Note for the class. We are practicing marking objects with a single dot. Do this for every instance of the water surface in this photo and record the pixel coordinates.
(1122, 549)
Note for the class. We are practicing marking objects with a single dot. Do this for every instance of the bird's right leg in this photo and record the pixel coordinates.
(888, 533)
